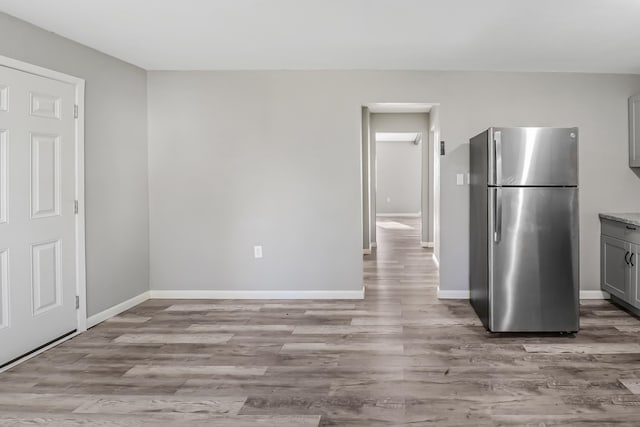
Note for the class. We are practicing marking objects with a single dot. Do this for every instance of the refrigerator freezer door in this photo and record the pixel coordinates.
(533, 259)
(531, 156)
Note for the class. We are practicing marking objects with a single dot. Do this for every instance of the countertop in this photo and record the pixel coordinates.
(627, 218)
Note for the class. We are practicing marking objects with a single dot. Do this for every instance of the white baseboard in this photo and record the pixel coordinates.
(426, 244)
(366, 252)
(208, 294)
(594, 295)
(435, 259)
(117, 309)
(406, 215)
(465, 294)
(452, 294)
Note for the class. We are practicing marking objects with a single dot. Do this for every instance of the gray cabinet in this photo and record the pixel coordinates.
(614, 269)
(634, 131)
(619, 251)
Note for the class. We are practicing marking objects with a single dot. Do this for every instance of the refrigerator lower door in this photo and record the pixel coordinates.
(533, 259)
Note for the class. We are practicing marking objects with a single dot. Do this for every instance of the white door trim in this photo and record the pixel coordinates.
(81, 280)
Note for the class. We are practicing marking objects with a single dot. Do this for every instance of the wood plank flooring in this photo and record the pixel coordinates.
(399, 357)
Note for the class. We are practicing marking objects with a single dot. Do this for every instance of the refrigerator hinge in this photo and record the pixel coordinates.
(75, 111)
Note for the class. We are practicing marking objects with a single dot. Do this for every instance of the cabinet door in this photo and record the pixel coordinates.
(634, 276)
(614, 266)
(634, 131)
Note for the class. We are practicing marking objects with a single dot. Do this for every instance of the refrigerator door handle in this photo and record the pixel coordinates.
(497, 226)
(497, 146)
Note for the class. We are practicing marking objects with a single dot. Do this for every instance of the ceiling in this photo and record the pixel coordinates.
(516, 35)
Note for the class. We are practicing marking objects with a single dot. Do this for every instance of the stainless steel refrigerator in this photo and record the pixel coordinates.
(524, 260)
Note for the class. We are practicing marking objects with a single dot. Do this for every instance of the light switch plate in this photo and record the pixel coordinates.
(257, 251)
(460, 179)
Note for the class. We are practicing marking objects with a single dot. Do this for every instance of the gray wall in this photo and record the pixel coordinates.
(240, 158)
(398, 173)
(409, 122)
(116, 192)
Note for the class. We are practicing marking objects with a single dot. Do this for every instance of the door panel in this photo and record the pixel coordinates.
(37, 218)
(633, 278)
(45, 175)
(4, 98)
(4, 171)
(534, 157)
(46, 280)
(534, 276)
(4, 288)
(615, 270)
(45, 105)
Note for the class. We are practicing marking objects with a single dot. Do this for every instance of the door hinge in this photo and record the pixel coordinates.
(75, 207)
(77, 302)
(75, 111)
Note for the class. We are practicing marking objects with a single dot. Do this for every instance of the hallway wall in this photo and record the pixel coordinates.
(398, 175)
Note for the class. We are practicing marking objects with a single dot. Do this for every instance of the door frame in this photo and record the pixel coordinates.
(79, 84)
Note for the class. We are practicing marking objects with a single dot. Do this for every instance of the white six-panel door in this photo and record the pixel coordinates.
(37, 212)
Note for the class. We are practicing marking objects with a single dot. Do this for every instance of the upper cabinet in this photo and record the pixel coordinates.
(634, 131)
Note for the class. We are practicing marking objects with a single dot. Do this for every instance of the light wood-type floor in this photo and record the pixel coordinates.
(400, 357)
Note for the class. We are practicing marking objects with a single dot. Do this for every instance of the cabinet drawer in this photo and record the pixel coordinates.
(619, 230)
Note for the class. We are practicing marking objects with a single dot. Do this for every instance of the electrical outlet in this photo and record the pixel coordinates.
(257, 251)
(388, 199)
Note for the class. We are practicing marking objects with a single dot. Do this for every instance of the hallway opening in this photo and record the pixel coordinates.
(400, 186)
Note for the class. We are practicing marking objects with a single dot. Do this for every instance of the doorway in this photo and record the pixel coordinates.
(398, 176)
(398, 165)
(42, 285)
